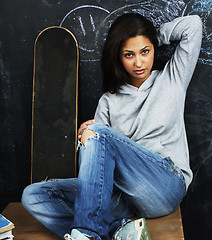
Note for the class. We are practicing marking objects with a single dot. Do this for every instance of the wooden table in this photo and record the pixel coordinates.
(27, 227)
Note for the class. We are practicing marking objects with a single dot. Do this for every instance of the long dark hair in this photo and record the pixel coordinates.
(124, 27)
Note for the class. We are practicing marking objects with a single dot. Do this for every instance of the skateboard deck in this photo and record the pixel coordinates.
(54, 105)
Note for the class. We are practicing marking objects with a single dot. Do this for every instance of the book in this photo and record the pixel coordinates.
(6, 227)
(6, 235)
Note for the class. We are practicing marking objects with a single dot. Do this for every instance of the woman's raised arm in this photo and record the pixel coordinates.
(187, 30)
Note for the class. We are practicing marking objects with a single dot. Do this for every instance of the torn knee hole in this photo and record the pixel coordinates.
(86, 134)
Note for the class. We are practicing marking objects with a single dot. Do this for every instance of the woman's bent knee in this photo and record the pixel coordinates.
(30, 193)
(94, 130)
(86, 134)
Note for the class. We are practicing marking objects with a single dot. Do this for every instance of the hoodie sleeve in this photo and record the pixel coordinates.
(187, 30)
(102, 111)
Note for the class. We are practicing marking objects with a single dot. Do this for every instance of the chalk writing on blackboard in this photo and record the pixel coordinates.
(204, 10)
(83, 21)
(90, 23)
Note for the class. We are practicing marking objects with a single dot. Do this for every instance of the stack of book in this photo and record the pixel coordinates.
(5, 228)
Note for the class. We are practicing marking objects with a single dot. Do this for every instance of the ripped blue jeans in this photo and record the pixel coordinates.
(117, 179)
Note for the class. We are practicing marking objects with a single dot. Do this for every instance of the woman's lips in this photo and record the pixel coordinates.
(139, 72)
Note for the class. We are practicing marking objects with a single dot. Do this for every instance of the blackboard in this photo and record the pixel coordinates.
(89, 20)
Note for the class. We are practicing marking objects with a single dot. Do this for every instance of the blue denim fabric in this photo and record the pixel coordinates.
(117, 179)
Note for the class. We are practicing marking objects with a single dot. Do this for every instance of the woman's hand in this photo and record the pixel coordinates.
(83, 126)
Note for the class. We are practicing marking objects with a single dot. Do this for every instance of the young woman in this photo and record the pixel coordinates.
(133, 158)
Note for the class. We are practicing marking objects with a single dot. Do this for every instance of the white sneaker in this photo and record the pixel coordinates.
(134, 230)
(75, 235)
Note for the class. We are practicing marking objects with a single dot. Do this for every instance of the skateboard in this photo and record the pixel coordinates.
(54, 105)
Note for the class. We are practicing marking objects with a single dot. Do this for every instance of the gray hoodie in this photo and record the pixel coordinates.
(153, 114)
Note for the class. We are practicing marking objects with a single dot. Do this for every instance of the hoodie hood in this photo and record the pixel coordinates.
(128, 89)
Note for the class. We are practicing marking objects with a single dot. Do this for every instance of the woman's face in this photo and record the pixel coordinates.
(137, 56)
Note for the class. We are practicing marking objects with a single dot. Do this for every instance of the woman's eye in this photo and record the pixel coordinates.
(145, 51)
(128, 55)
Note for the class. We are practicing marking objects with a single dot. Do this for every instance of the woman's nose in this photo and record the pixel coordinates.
(138, 61)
